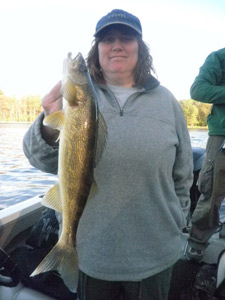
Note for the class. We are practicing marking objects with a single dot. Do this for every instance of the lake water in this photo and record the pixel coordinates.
(20, 181)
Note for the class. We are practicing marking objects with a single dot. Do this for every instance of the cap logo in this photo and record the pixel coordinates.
(117, 15)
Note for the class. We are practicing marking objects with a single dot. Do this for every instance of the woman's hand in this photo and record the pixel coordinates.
(52, 102)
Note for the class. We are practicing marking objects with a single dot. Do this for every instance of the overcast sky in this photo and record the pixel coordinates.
(36, 36)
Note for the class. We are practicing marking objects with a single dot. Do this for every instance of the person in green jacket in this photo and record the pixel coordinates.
(209, 87)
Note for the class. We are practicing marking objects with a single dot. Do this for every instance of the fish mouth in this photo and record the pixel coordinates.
(75, 70)
(77, 62)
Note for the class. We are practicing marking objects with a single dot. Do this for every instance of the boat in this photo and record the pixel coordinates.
(17, 221)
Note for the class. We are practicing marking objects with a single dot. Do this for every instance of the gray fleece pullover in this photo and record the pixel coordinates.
(131, 228)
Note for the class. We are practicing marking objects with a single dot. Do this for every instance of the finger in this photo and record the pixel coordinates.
(56, 91)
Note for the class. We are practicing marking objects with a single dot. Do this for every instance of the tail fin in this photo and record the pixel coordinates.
(62, 258)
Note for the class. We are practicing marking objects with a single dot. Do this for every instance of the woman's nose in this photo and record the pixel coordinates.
(117, 44)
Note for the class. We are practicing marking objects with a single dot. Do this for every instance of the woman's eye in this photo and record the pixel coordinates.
(108, 39)
(123, 39)
(127, 39)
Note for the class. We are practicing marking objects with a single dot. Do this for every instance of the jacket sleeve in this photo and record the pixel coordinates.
(207, 85)
(40, 155)
(183, 167)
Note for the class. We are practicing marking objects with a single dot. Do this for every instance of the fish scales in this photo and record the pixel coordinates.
(78, 124)
(76, 160)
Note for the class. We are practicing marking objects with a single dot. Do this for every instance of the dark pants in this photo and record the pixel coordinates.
(153, 288)
(205, 219)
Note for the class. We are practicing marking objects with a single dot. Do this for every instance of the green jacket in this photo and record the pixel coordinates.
(209, 87)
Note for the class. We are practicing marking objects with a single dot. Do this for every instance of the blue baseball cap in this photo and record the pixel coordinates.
(118, 16)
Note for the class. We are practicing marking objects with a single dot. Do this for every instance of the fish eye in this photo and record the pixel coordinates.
(83, 68)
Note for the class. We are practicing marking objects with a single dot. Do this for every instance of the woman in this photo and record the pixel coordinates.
(129, 235)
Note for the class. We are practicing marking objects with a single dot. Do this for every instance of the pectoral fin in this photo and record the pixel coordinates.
(94, 189)
(52, 198)
(55, 120)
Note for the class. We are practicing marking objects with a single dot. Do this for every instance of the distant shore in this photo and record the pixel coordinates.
(198, 127)
(13, 124)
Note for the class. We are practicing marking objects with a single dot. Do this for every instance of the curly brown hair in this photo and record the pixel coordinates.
(142, 70)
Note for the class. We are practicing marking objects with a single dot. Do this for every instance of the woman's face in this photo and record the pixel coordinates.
(118, 56)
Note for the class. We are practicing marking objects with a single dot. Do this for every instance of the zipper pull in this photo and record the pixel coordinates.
(121, 112)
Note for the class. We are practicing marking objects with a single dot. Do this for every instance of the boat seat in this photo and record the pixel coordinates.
(20, 292)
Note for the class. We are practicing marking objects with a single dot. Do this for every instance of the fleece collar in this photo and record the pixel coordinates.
(149, 85)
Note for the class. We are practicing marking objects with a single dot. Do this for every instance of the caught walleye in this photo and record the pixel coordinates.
(81, 142)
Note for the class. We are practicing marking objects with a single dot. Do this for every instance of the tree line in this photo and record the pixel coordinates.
(26, 109)
(195, 112)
